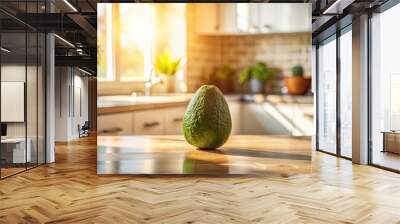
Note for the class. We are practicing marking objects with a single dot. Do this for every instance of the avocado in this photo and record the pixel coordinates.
(207, 121)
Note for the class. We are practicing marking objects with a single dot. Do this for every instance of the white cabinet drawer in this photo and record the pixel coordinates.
(115, 124)
(148, 122)
(235, 109)
(173, 120)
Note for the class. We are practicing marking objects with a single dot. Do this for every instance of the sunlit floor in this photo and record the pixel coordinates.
(386, 159)
(242, 154)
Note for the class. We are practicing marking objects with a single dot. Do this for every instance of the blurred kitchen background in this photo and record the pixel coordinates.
(153, 57)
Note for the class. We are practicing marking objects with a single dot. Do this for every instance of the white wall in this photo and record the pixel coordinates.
(71, 102)
(327, 97)
(33, 126)
(16, 73)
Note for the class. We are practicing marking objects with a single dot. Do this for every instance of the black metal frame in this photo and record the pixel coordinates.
(44, 77)
(339, 28)
(387, 5)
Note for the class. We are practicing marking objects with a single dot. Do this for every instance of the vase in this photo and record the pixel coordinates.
(169, 84)
(256, 86)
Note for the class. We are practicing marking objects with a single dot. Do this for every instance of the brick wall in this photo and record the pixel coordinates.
(201, 53)
(204, 53)
(278, 50)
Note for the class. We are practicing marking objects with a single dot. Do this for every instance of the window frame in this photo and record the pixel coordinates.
(332, 33)
(114, 78)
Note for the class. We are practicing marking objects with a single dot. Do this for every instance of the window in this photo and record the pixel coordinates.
(346, 93)
(327, 96)
(385, 88)
(104, 44)
(125, 40)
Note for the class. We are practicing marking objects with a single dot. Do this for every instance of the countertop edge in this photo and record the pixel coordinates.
(275, 99)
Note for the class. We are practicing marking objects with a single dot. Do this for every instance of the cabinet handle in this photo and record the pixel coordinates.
(151, 124)
(111, 130)
(177, 119)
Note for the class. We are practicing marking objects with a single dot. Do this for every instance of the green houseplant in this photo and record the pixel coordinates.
(297, 84)
(256, 75)
(166, 66)
(298, 71)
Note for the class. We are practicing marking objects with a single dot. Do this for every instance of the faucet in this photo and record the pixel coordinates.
(148, 85)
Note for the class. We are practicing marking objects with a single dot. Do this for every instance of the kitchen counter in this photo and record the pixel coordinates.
(270, 98)
(118, 104)
(170, 154)
(163, 114)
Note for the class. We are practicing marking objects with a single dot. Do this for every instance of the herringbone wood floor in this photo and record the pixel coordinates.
(69, 191)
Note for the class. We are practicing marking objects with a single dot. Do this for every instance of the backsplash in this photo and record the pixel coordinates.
(204, 53)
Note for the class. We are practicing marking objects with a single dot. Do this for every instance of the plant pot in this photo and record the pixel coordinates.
(297, 85)
(169, 83)
(256, 86)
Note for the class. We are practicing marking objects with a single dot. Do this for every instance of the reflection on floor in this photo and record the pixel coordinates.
(172, 155)
(386, 159)
(11, 169)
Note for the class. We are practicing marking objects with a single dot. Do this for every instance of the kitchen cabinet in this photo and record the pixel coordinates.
(148, 122)
(235, 110)
(173, 120)
(115, 124)
(252, 18)
(213, 18)
(282, 18)
(272, 117)
(277, 119)
(257, 119)
(144, 122)
(209, 11)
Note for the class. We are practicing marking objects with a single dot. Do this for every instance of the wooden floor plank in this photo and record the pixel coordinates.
(70, 191)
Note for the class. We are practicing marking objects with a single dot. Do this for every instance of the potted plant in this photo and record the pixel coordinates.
(256, 76)
(222, 78)
(297, 84)
(166, 67)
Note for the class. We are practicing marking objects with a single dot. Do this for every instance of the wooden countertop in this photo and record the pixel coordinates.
(139, 106)
(120, 104)
(242, 154)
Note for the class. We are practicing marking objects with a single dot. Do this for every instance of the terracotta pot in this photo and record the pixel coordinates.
(297, 85)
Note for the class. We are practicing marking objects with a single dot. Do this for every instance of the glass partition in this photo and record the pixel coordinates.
(14, 143)
(327, 95)
(22, 77)
(346, 93)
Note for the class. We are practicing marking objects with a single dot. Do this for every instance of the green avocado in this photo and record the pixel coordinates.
(207, 121)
